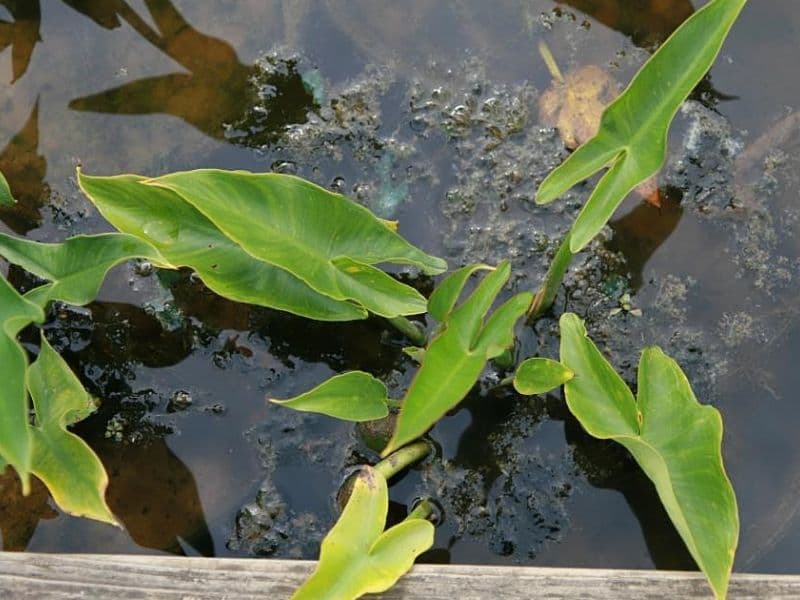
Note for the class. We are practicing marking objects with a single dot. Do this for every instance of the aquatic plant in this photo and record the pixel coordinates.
(357, 556)
(281, 242)
(268, 239)
(632, 139)
(315, 260)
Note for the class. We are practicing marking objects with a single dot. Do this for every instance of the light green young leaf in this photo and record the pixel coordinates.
(540, 375)
(353, 396)
(76, 268)
(357, 557)
(446, 294)
(457, 355)
(675, 440)
(63, 461)
(6, 197)
(187, 239)
(633, 131)
(16, 313)
(324, 239)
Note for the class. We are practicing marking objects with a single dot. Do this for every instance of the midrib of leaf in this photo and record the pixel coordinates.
(293, 241)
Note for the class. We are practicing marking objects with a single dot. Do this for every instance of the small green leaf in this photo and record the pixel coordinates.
(63, 461)
(16, 313)
(415, 352)
(446, 294)
(675, 440)
(75, 267)
(455, 358)
(353, 396)
(540, 375)
(357, 557)
(632, 139)
(6, 197)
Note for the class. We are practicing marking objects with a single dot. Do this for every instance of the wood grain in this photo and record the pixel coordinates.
(31, 576)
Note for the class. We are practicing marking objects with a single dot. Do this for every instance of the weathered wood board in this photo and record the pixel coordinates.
(30, 576)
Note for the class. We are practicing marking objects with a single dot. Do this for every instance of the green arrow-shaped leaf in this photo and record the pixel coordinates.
(63, 461)
(632, 139)
(457, 355)
(324, 239)
(76, 268)
(676, 441)
(16, 313)
(357, 557)
(353, 396)
(272, 240)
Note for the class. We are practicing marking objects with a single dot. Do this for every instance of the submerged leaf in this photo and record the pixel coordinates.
(633, 130)
(16, 313)
(455, 357)
(540, 375)
(674, 439)
(63, 461)
(353, 396)
(76, 268)
(268, 239)
(357, 557)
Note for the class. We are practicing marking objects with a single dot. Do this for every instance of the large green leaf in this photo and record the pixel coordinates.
(16, 313)
(676, 441)
(186, 238)
(6, 198)
(268, 239)
(63, 461)
(353, 396)
(76, 268)
(457, 355)
(633, 131)
(357, 556)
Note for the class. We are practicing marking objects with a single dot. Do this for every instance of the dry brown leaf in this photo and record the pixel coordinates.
(574, 105)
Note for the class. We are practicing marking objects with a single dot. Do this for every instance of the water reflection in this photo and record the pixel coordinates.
(155, 496)
(639, 233)
(19, 515)
(25, 170)
(214, 91)
(647, 23)
(21, 34)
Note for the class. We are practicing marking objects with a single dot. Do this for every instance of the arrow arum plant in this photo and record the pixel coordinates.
(281, 242)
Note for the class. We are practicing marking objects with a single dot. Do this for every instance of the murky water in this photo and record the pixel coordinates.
(426, 112)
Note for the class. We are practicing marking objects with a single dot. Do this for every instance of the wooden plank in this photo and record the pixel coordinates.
(29, 576)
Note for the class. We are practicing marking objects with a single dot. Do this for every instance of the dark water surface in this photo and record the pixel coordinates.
(426, 112)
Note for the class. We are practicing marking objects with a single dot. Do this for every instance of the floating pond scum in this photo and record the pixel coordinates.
(425, 293)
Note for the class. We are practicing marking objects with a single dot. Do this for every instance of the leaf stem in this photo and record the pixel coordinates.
(425, 509)
(505, 360)
(552, 280)
(506, 381)
(404, 457)
(409, 329)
